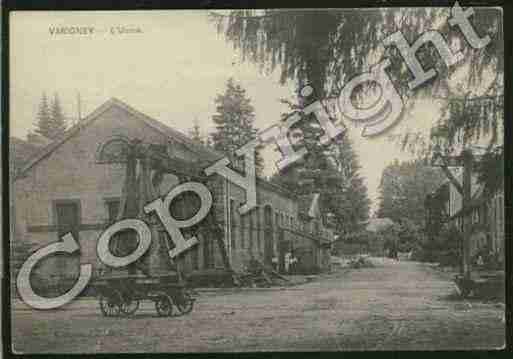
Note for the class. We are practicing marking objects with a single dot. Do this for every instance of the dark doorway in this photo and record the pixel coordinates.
(68, 217)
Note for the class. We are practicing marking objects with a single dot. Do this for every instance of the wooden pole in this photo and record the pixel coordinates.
(467, 216)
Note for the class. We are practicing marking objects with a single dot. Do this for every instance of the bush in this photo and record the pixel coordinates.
(444, 249)
(402, 237)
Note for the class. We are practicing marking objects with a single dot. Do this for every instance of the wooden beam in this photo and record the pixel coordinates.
(54, 228)
(453, 179)
(467, 220)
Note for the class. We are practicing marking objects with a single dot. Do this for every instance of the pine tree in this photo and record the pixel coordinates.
(331, 170)
(234, 122)
(58, 119)
(351, 203)
(51, 122)
(44, 121)
(195, 133)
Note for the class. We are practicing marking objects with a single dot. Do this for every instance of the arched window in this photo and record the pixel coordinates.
(113, 150)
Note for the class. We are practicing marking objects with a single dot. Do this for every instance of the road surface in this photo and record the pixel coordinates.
(393, 306)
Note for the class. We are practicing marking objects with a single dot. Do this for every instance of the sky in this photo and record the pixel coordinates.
(172, 71)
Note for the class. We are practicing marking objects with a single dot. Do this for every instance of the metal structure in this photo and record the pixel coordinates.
(155, 276)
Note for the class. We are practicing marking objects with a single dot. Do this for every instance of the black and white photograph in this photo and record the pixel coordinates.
(256, 180)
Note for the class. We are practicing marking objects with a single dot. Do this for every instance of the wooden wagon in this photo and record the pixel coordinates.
(121, 295)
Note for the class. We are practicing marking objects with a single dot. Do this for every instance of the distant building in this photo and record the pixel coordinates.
(366, 241)
(312, 237)
(376, 225)
(444, 207)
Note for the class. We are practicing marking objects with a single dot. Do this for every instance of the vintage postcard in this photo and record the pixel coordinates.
(257, 180)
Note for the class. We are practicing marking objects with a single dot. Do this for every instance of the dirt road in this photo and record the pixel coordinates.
(395, 305)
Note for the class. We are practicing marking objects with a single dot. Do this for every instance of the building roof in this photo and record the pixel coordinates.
(206, 153)
(20, 152)
(38, 139)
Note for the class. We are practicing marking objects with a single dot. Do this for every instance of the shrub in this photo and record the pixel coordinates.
(444, 249)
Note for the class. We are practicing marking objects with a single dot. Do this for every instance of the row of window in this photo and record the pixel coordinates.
(260, 223)
(281, 219)
(251, 228)
(499, 213)
(248, 229)
(480, 215)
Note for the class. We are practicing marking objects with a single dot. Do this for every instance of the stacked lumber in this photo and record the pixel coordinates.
(259, 275)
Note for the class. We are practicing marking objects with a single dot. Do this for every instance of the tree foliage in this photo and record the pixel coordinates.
(404, 236)
(490, 171)
(57, 115)
(196, 134)
(444, 248)
(51, 121)
(351, 203)
(403, 190)
(326, 48)
(43, 117)
(475, 123)
(234, 122)
(331, 170)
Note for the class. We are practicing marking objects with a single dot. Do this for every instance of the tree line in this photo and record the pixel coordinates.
(51, 121)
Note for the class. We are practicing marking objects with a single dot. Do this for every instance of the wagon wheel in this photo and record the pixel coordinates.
(465, 292)
(164, 305)
(248, 282)
(184, 302)
(465, 286)
(130, 306)
(110, 304)
(466, 289)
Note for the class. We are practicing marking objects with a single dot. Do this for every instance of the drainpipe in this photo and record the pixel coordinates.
(227, 222)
